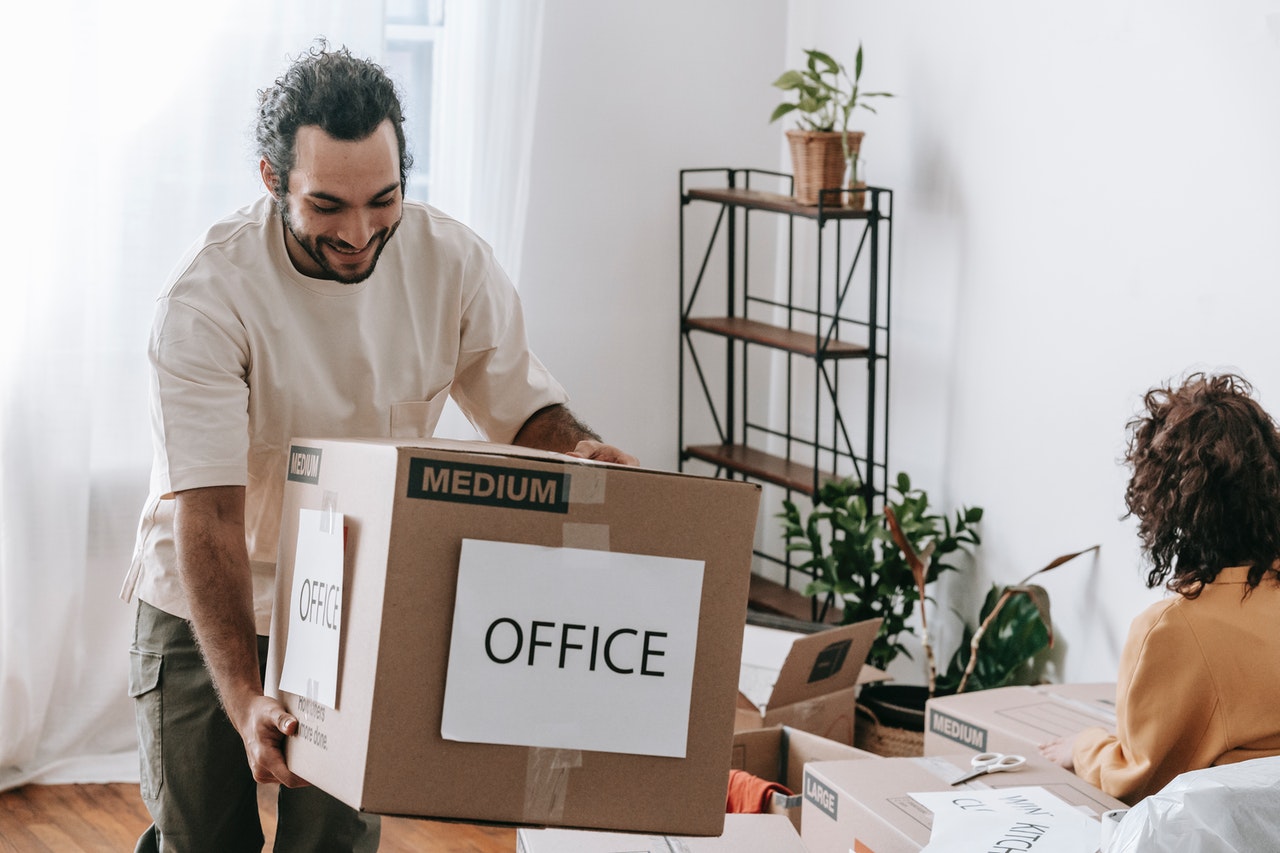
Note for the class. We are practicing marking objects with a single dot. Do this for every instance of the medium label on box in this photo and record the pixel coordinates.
(966, 734)
(488, 485)
(572, 649)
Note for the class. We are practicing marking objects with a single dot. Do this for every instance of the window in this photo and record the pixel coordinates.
(413, 32)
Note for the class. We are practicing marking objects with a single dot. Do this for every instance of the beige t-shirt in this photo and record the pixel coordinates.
(247, 353)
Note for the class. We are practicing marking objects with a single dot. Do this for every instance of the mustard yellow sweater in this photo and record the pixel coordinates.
(1199, 685)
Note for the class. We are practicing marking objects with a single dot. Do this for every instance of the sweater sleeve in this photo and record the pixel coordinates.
(1166, 705)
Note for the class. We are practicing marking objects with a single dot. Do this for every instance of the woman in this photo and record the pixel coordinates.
(1199, 680)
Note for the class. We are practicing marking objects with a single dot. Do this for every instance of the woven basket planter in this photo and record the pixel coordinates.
(890, 720)
(818, 163)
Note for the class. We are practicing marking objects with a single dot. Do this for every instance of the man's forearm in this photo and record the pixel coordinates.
(214, 566)
(554, 428)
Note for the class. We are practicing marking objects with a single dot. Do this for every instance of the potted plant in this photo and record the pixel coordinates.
(857, 557)
(823, 148)
(854, 560)
(1014, 628)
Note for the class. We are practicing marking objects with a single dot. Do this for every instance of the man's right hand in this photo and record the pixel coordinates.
(214, 566)
(263, 725)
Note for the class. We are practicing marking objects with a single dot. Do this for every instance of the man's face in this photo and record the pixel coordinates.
(343, 203)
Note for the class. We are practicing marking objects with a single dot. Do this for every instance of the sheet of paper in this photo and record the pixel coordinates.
(573, 649)
(310, 665)
(764, 651)
(1025, 818)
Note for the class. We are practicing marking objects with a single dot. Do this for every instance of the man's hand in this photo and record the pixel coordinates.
(591, 449)
(555, 428)
(214, 566)
(263, 726)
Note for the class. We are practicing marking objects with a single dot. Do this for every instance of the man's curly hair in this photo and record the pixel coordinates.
(1206, 482)
(345, 96)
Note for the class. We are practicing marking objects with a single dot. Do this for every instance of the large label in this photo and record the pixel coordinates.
(966, 734)
(572, 649)
(462, 482)
(820, 795)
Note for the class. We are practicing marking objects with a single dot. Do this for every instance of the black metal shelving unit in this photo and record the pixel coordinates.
(835, 315)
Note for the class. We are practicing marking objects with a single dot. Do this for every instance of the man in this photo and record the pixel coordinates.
(330, 307)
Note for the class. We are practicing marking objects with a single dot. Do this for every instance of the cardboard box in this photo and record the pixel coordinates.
(865, 805)
(411, 511)
(742, 834)
(806, 681)
(779, 754)
(1016, 719)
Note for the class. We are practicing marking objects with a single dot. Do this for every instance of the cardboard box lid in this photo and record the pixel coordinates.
(1001, 717)
(755, 833)
(882, 785)
(867, 805)
(779, 753)
(822, 663)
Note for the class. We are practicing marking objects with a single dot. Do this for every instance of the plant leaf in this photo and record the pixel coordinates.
(1058, 561)
(790, 80)
(830, 65)
(782, 110)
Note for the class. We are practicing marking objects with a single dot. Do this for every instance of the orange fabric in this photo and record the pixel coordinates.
(750, 794)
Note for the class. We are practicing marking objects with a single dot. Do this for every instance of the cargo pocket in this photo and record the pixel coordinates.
(144, 689)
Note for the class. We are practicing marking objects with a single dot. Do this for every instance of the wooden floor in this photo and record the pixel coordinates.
(102, 818)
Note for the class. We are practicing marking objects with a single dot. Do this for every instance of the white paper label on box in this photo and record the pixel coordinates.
(572, 649)
(1009, 819)
(310, 665)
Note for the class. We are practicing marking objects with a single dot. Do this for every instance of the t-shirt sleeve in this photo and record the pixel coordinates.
(199, 399)
(1165, 705)
(499, 382)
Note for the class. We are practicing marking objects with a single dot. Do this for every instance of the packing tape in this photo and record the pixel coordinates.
(589, 537)
(545, 782)
(328, 510)
(586, 483)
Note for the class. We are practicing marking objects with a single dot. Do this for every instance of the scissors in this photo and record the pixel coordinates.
(991, 762)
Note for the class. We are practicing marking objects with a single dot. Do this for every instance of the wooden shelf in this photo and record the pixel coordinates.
(791, 610)
(803, 343)
(776, 202)
(759, 465)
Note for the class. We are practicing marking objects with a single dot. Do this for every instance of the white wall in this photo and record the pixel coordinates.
(1085, 206)
(630, 93)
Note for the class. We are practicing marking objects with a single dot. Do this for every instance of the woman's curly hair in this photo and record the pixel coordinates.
(345, 96)
(1206, 482)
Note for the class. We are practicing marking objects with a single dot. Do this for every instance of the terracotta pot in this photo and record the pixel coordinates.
(818, 163)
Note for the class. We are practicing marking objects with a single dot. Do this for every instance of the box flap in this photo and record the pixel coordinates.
(824, 662)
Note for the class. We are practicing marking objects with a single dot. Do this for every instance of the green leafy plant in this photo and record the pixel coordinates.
(825, 95)
(853, 557)
(1014, 628)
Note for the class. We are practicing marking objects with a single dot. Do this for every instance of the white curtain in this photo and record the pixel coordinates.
(488, 93)
(127, 133)
(484, 139)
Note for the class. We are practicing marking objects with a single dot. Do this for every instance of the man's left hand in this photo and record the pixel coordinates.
(588, 449)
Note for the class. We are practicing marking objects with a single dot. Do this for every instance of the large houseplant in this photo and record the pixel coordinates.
(853, 556)
(823, 148)
(1014, 629)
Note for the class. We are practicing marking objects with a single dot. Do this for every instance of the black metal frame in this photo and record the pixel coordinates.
(871, 256)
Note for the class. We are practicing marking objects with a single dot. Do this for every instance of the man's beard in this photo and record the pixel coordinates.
(312, 246)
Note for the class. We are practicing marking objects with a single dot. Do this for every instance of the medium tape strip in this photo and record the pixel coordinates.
(586, 483)
(328, 510)
(588, 537)
(545, 782)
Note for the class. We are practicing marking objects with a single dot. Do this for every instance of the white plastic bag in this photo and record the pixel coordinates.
(1234, 808)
